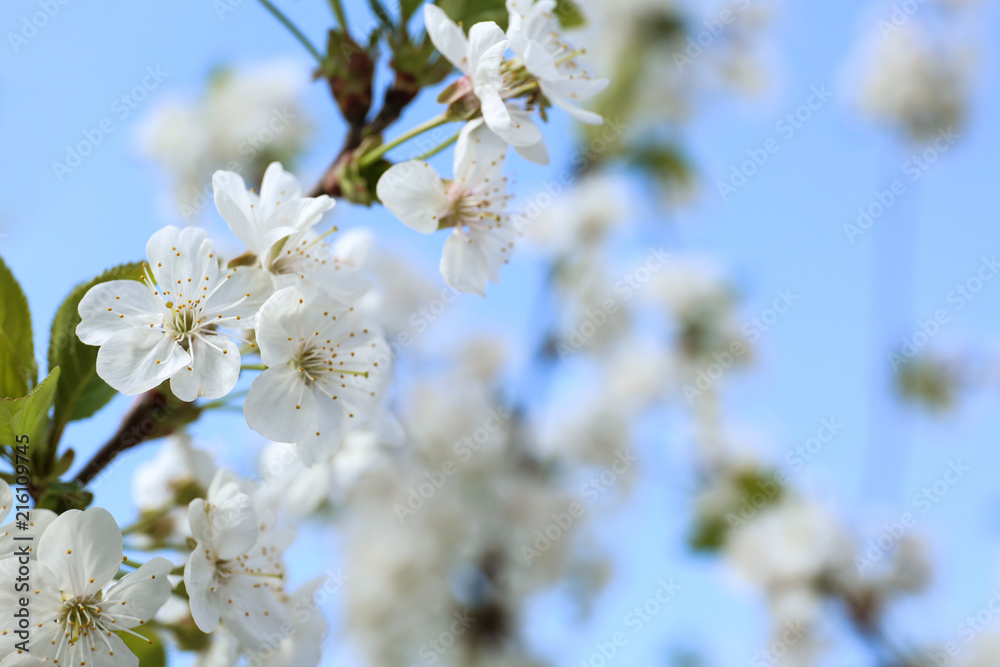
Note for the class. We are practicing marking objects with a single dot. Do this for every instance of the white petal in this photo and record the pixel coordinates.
(136, 360)
(277, 329)
(235, 205)
(560, 93)
(236, 300)
(83, 549)
(199, 577)
(226, 523)
(279, 407)
(537, 153)
(447, 37)
(414, 193)
(463, 266)
(276, 187)
(6, 499)
(321, 443)
(212, 372)
(40, 520)
(178, 254)
(138, 595)
(479, 153)
(116, 305)
(522, 130)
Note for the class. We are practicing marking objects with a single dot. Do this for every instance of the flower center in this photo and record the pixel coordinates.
(78, 617)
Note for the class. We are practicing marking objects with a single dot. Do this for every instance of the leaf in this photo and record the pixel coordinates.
(28, 415)
(469, 12)
(18, 369)
(150, 651)
(80, 392)
(569, 14)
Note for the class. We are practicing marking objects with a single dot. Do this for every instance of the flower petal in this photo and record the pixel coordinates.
(463, 266)
(83, 549)
(447, 37)
(213, 371)
(236, 206)
(111, 307)
(138, 595)
(6, 499)
(276, 187)
(415, 194)
(199, 577)
(136, 360)
(279, 407)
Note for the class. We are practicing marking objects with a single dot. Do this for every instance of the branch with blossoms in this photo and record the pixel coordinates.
(180, 329)
(460, 496)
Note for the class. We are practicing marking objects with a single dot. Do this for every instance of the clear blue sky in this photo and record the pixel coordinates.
(783, 230)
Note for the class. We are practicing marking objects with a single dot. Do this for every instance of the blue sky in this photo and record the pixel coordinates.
(825, 358)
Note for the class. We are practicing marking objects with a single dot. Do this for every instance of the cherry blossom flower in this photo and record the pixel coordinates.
(277, 228)
(480, 57)
(534, 35)
(235, 574)
(324, 367)
(167, 327)
(473, 205)
(76, 621)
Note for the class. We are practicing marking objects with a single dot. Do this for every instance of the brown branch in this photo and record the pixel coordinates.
(154, 415)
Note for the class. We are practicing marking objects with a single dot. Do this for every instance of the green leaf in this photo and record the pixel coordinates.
(18, 370)
(469, 12)
(60, 497)
(28, 415)
(80, 392)
(569, 14)
(150, 651)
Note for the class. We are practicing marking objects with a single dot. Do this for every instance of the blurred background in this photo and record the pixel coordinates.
(791, 209)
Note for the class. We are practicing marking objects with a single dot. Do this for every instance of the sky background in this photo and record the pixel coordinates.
(824, 358)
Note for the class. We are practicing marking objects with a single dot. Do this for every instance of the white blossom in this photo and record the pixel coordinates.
(473, 204)
(277, 227)
(246, 119)
(235, 574)
(76, 619)
(168, 326)
(535, 36)
(480, 57)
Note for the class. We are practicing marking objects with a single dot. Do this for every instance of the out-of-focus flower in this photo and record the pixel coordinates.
(245, 120)
(915, 83)
(235, 573)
